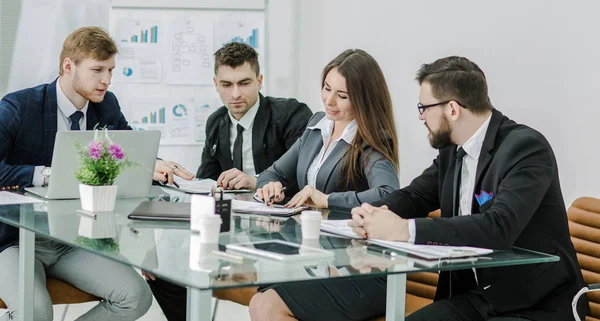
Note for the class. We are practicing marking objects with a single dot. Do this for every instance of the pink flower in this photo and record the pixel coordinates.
(115, 151)
(95, 149)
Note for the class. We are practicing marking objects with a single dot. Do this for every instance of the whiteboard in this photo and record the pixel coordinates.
(165, 66)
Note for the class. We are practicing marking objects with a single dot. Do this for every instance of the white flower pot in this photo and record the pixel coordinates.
(98, 198)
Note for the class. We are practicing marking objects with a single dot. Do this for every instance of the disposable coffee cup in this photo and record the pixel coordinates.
(309, 245)
(311, 224)
(210, 226)
(201, 206)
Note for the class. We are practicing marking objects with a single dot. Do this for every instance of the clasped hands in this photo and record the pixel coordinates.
(378, 223)
(273, 192)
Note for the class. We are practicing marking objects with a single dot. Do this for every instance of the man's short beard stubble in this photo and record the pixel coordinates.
(442, 137)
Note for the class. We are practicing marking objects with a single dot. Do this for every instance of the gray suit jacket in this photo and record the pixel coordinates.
(381, 175)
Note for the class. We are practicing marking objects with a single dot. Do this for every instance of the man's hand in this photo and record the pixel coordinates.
(309, 196)
(236, 179)
(378, 223)
(164, 171)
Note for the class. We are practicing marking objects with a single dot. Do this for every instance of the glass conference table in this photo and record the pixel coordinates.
(173, 252)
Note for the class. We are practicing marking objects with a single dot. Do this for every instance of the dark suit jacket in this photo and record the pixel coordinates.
(277, 125)
(526, 210)
(380, 175)
(28, 120)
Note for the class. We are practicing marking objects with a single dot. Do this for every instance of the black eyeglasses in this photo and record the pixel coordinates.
(422, 107)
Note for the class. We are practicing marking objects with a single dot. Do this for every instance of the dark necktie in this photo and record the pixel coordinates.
(237, 148)
(460, 154)
(75, 120)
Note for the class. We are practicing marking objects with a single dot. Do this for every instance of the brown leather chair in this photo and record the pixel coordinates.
(420, 289)
(584, 226)
(62, 292)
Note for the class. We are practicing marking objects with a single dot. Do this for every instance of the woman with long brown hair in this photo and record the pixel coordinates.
(348, 154)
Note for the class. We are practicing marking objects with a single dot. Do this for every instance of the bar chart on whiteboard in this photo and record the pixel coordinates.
(180, 123)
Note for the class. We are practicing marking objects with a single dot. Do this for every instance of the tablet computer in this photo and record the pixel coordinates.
(280, 250)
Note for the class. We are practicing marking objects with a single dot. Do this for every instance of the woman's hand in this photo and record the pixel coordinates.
(309, 196)
(274, 189)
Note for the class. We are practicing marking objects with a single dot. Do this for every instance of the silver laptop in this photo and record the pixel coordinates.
(140, 146)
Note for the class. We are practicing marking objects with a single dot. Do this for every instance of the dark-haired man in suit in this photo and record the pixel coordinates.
(251, 131)
(243, 138)
(496, 183)
(29, 119)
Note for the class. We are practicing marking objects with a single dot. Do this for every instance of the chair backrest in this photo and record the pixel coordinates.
(423, 284)
(584, 226)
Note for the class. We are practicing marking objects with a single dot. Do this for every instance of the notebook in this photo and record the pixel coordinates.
(251, 207)
(428, 252)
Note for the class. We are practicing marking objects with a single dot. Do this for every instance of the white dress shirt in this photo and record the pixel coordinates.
(247, 122)
(326, 127)
(64, 110)
(468, 174)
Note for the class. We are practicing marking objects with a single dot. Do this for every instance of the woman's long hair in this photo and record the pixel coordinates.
(372, 107)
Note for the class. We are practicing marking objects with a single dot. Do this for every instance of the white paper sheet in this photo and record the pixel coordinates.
(429, 252)
(8, 198)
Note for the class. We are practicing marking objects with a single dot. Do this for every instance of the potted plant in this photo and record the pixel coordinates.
(101, 163)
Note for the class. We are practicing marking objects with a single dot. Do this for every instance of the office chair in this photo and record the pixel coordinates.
(584, 227)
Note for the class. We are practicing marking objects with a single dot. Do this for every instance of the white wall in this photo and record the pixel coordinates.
(540, 58)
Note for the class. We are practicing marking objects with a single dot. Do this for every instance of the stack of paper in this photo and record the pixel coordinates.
(261, 208)
(429, 252)
(200, 186)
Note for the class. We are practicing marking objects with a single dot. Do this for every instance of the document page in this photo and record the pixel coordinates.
(8, 198)
(429, 252)
(200, 186)
(252, 207)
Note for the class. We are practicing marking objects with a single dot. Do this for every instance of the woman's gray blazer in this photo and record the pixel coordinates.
(291, 169)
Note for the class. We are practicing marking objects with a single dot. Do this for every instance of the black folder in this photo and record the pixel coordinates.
(177, 212)
(161, 211)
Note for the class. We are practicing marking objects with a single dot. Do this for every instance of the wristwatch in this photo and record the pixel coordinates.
(46, 171)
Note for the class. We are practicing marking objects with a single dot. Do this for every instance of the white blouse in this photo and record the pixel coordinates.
(326, 127)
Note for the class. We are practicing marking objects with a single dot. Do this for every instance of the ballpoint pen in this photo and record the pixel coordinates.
(273, 196)
(86, 213)
(228, 256)
(174, 182)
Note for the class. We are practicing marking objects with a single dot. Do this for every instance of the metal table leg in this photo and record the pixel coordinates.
(396, 297)
(199, 304)
(26, 265)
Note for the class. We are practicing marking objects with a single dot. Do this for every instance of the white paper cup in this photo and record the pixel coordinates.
(311, 224)
(201, 206)
(210, 226)
(308, 245)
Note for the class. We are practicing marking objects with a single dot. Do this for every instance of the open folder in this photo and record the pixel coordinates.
(428, 252)
(251, 207)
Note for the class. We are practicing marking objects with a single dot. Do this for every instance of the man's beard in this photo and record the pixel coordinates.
(441, 138)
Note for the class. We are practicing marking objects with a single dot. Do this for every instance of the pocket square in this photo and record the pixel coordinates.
(483, 197)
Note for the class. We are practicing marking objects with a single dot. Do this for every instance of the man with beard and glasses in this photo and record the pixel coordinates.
(29, 119)
(496, 183)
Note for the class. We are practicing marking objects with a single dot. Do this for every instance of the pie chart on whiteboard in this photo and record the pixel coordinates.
(127, 71)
